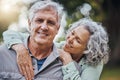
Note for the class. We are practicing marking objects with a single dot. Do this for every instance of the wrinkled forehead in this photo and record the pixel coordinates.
(74, 27)
(50, 9)
(79, 28)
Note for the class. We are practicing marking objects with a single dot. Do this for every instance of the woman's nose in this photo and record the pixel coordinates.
(70, 40)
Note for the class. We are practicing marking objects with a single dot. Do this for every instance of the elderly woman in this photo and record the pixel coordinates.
(86, 45)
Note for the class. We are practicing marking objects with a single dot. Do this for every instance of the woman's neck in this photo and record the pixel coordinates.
(77, 58)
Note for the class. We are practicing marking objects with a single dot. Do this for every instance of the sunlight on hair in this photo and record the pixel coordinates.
(6, 8)
(7, 5)
(13, 26)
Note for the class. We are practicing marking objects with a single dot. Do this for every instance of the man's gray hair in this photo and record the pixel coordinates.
(97, 47)
(43, 4)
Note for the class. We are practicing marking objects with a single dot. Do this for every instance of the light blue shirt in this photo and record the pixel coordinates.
(87, 72)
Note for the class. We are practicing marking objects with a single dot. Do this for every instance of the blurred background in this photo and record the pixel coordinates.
(13, 16)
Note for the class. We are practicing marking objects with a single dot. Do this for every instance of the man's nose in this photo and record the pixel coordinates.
(44, 26)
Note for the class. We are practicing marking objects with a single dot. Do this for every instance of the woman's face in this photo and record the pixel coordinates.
(76, 40)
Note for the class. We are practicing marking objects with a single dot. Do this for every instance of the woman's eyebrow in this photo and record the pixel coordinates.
(77, 36)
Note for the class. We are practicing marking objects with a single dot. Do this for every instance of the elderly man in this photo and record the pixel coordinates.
(44, 22)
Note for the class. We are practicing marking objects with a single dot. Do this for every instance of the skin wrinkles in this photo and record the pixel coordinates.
(45, 27)
(44, 22)
(76, 41)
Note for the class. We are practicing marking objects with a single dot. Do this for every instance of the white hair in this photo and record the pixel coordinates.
(43, 4)
(97, 47)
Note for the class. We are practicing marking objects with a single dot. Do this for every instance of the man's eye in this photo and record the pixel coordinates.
(51, 22)
(40, 20)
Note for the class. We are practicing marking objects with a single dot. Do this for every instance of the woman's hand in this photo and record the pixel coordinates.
(65, 57)
(24, 61)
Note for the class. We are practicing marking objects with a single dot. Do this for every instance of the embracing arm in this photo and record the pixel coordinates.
(11, 37)
(86, 72)
(14, 40)
(92, 72)
(89, 73)
(70, 69)
(70, 72)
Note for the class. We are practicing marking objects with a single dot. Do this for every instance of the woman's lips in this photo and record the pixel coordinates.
(68, 46)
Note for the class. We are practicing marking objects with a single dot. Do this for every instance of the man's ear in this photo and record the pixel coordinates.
(29, 24)
(58, 27)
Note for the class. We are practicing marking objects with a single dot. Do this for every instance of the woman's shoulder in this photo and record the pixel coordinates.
(84, 64)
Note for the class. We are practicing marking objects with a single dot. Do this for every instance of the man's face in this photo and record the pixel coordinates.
(44, 26)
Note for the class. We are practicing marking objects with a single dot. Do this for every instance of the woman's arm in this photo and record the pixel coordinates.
(14, 40)
(92, 72)
(69, 69)
(11, 37)
(89, 73)
(86, 72)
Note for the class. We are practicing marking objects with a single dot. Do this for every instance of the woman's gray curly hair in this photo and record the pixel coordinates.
(97, 47)
(44, 4)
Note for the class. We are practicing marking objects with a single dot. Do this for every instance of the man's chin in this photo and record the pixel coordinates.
(41, 41)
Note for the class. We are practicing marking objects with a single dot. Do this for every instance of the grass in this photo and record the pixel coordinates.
(111, 74)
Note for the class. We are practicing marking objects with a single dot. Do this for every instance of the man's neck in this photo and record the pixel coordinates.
(39, 51)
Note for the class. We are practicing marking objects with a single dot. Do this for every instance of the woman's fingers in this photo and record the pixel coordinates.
(65, 57)
(20, 69)
(24, 72)
(28, 72)
(24, 62)
(31, 71)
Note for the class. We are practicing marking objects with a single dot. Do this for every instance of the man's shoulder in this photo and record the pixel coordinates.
(3, 47)
(6, 56)
(5, 51)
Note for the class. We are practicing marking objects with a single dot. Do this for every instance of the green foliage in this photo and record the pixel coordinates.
(73, 10)
(61, 39)
(70, 5)
(112, 73)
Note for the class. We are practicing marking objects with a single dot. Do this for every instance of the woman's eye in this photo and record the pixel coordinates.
(78, 40)
(68, 37)
(72, 33)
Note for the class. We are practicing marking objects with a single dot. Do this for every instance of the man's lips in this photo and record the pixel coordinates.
(42, 34)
